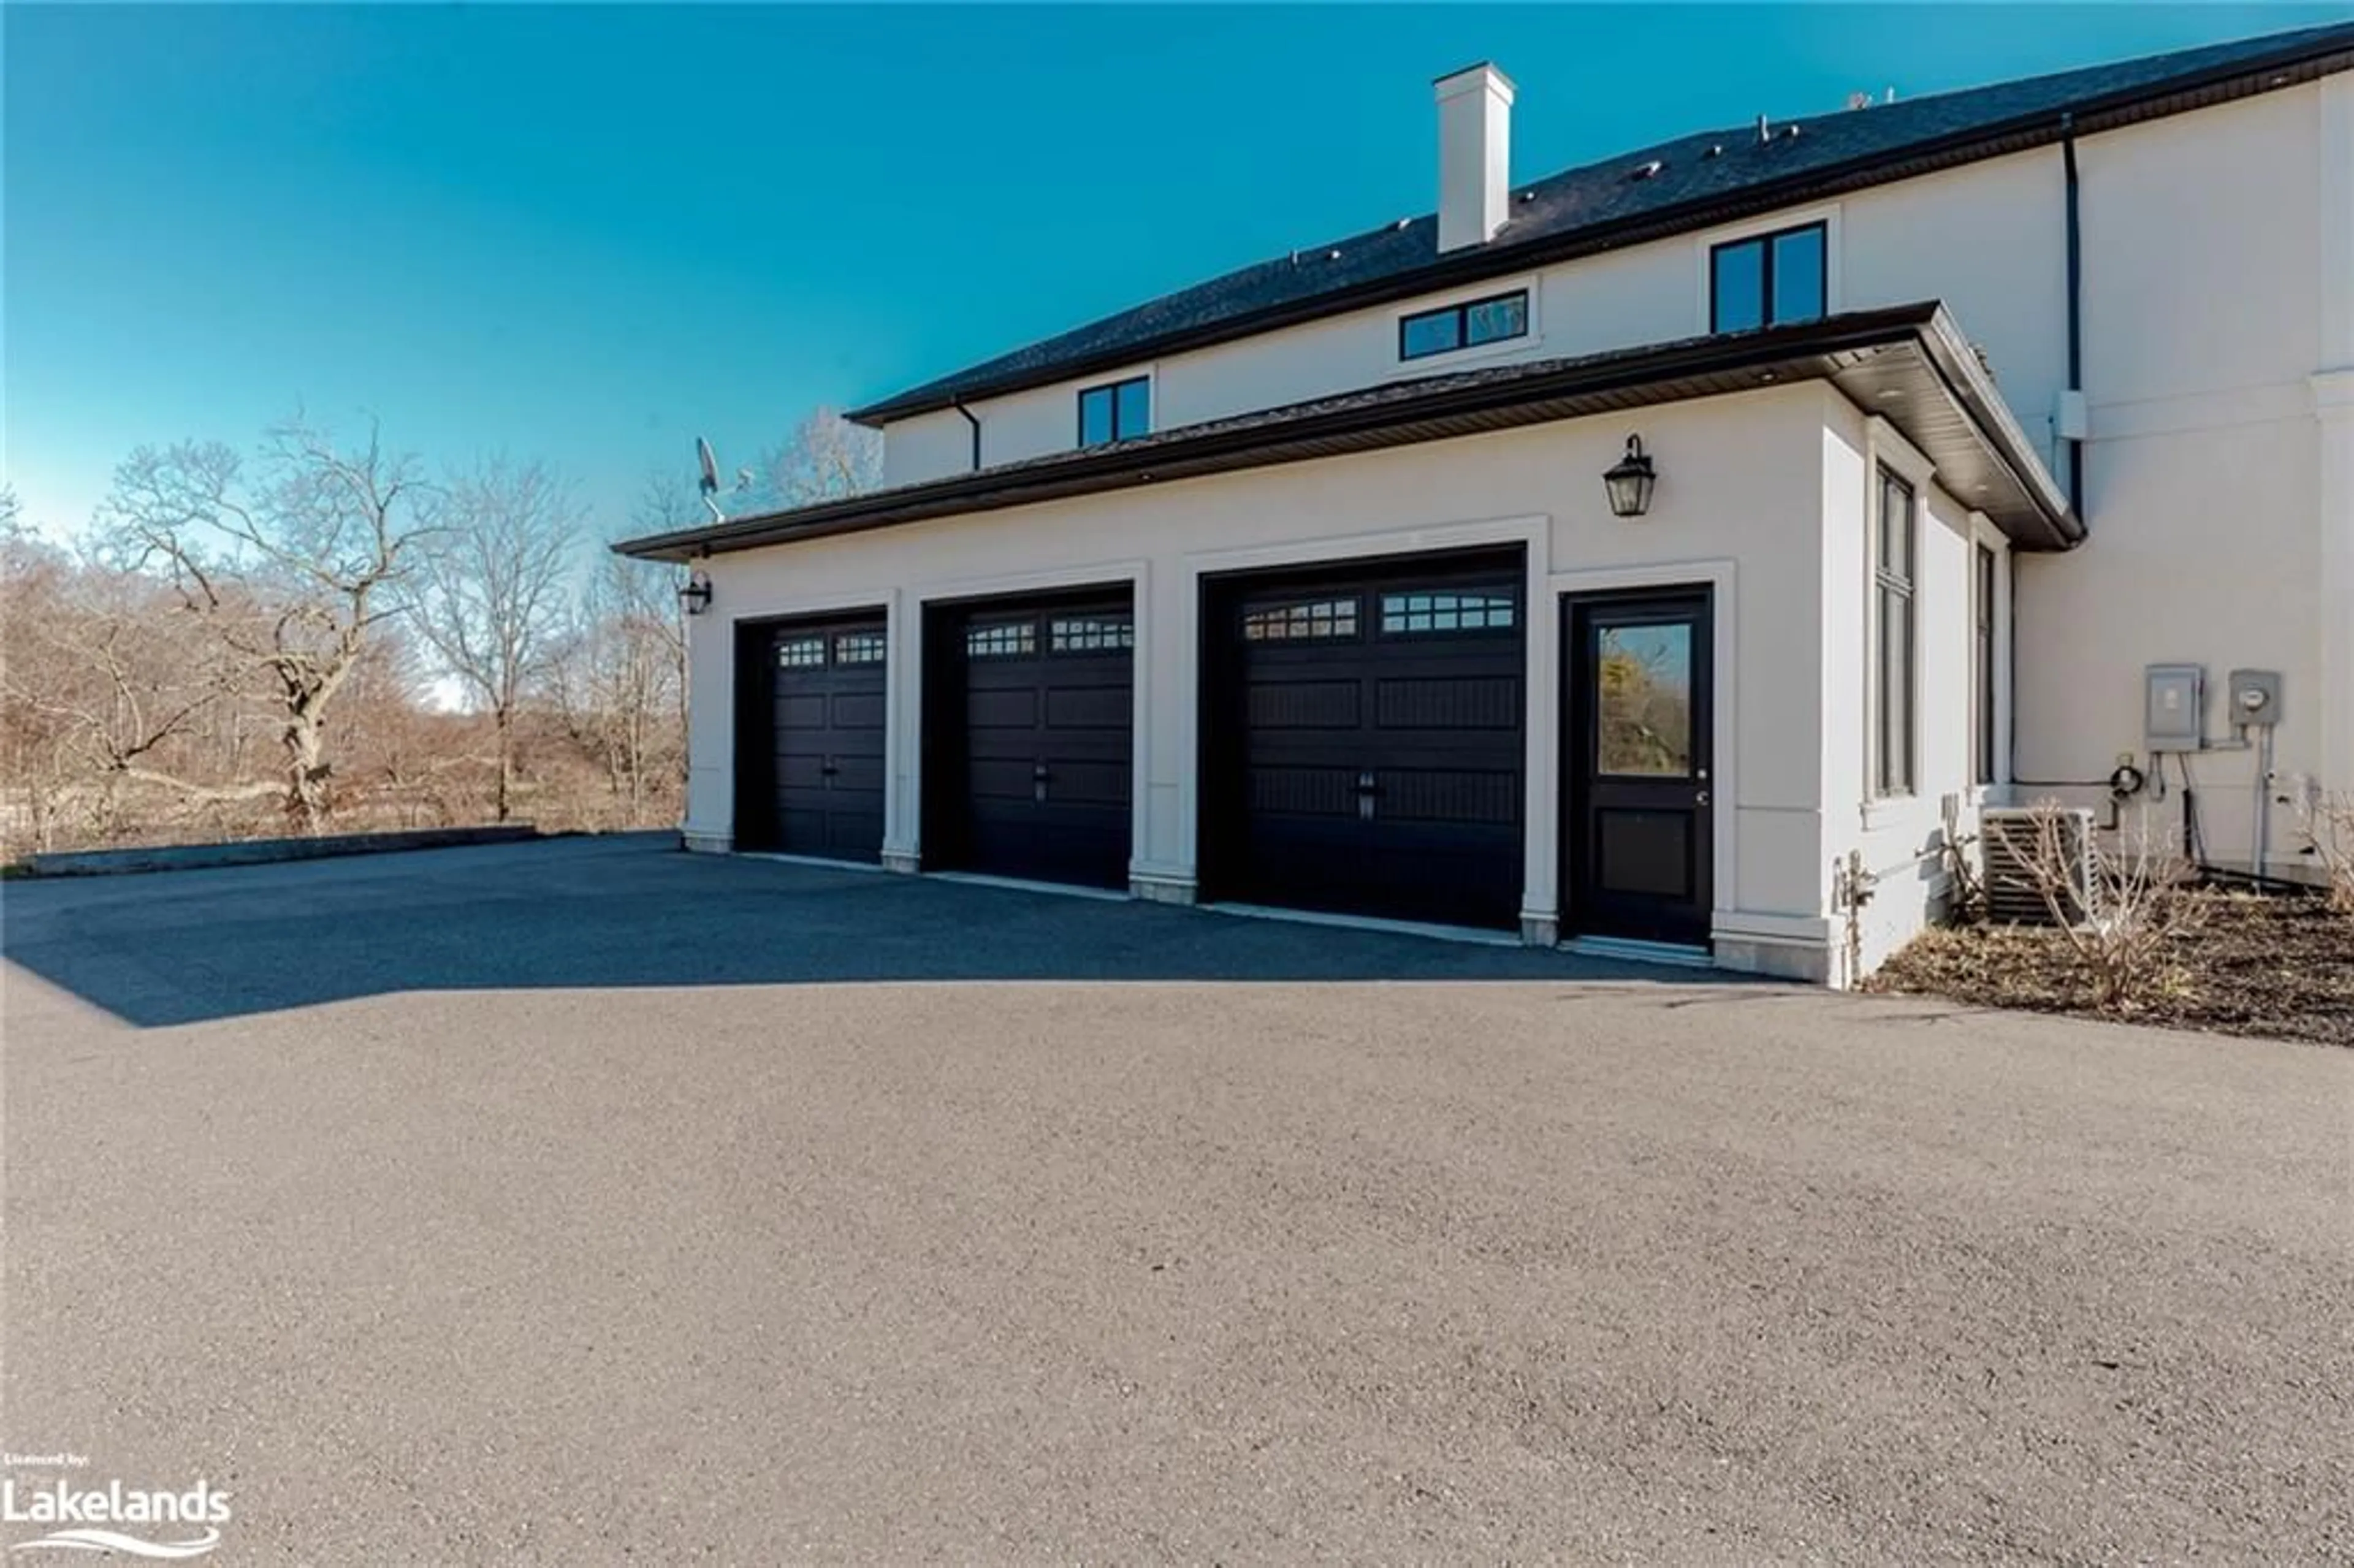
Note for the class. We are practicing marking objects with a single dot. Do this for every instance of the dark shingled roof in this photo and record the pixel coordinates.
(1602, 204)
(1949, 410)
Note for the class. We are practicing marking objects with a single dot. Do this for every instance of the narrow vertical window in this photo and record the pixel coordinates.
(1982, 664)
(1892, 568)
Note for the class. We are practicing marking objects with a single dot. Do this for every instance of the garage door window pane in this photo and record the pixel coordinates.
(1007, 641)
(1090, 633)
(1643, 700)
(858, 648)
(1409, 613)
(1295, 622)
(801, 653)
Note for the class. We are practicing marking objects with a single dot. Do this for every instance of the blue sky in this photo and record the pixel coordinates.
(587, 233)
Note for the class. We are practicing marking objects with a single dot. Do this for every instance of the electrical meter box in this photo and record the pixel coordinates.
(2174, 707)
(2255, 697)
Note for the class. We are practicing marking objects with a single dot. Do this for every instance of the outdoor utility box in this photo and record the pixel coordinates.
(2174, 707)
(2255, 697)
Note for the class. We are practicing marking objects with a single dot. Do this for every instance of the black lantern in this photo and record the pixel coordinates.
(1629, 481)
(697, 595)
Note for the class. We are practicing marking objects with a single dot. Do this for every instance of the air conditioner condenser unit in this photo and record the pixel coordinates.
(2011, 841)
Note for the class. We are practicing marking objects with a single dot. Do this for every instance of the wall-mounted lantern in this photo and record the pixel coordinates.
(1629, 481)
(697, 595)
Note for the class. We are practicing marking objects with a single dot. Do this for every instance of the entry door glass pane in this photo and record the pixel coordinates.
(1643, 679)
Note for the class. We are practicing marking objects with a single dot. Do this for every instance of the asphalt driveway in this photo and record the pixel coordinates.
(587, 1203)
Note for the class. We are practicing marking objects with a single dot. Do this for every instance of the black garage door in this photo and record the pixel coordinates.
(1363, 746)
(810, 737)
(1029, 712)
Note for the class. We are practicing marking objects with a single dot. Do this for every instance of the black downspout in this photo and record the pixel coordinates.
(976, 433)
(2075, 308)
(2076, 253)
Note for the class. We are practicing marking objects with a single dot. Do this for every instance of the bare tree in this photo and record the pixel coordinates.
(623, 679)
(824, 459)
(491, 595)
(291, 574)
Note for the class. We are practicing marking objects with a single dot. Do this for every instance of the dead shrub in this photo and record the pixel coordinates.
(2327, 823)
(2123, 921)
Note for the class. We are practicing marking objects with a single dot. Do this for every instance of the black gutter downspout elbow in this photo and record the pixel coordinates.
(2075, 306)
(976, 433)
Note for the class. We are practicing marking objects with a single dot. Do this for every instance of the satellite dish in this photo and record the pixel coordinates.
(709, 482)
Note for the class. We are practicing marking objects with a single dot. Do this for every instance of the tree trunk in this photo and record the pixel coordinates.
(306, 775)
(503, 721)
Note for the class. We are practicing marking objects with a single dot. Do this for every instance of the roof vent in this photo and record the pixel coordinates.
(1765, 131)
(1333, 255)
(1789, 132)
(1645, 171)
(1528, 195)
(1713, 150)
(1403, 224)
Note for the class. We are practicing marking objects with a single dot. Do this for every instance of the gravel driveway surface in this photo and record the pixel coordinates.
(587, 1203)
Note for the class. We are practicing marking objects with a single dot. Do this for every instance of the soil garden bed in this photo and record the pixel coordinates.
(2281, 966)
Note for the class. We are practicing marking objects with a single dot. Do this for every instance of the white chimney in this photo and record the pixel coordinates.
(1475, 156)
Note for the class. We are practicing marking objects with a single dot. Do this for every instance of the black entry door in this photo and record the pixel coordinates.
(1364, 741)
(813, 738)
(1030, 717)
(1635, 837)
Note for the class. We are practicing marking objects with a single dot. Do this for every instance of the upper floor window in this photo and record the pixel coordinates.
(1115, 412)
(1769, 280)
(1466, 326)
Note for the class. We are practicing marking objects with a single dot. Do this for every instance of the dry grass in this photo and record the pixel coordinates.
(2281, 968)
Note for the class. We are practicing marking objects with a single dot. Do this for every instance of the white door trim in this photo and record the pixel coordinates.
(905, 843)
(1718, 575)
(1533, 531)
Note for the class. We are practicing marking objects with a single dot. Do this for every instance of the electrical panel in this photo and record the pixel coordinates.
(2174, 707)
(2255, 697)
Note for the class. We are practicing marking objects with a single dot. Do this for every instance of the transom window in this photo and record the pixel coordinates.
(1414, 610)
(859, 648)
(1467, 325)
(1089, 633)
(1007, 639)
(1892, 638)
(801, 653)
(1769, 280)
(1117, 411)
(1300, 621)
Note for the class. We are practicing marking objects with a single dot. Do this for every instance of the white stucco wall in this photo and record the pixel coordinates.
(2209, 273)
(1752, 487)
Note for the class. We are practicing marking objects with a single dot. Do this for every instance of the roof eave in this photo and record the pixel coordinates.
(2293, 64)
(2019, 494)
